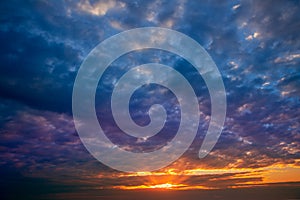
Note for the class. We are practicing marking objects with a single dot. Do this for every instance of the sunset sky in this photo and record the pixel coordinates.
(256, 47)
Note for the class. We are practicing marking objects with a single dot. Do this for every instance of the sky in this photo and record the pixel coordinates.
(254, 44)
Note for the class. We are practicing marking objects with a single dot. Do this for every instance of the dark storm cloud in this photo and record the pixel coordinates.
(43, 144)
(37, 64)
(43, 49)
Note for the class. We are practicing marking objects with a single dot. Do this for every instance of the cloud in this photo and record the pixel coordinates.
(254, 44)
(252, 36)
(100, 8)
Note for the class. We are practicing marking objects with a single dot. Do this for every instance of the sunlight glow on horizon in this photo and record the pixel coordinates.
(176, 179)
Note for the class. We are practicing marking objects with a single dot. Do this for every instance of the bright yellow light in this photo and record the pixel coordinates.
(176, 179)
(165, 186)
(158, 186)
